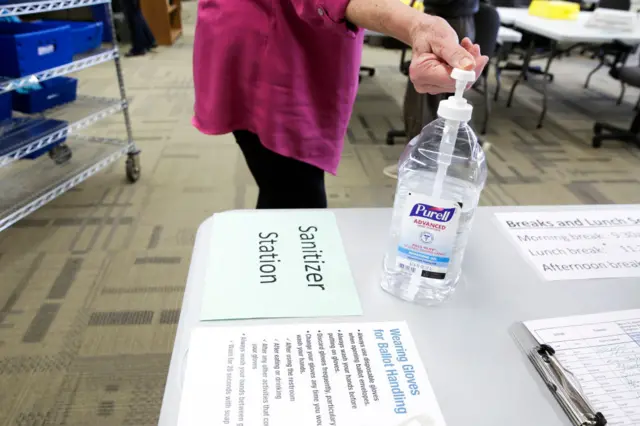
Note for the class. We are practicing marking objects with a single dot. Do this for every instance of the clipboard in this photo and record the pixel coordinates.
(560, 381)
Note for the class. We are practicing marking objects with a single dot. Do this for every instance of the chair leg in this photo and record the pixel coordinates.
(498, 83)
(622, 90)
(369, 70)
(392, 134)
(635, 125)
(595, 70)
(546, 81)
(605, 131)
(498, 71)
(523, 72)
(487, 104)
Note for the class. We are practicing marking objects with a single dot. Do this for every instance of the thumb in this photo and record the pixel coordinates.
(457, 56)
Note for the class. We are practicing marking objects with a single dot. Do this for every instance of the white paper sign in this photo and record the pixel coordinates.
(357, 374)
(571, 245)
(277, 264)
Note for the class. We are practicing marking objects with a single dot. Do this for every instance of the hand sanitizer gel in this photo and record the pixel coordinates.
(440, 177)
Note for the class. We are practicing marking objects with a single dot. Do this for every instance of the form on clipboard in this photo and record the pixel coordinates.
(591, 363)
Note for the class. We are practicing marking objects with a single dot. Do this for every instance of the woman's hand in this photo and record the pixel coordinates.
(436, 51)
(436, 48)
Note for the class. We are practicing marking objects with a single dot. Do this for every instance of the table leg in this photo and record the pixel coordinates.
(545, 82)
(621, 97)
(523, 71)
(487, 102)
(635, 125)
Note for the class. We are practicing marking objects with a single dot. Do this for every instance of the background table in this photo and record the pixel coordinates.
(508, 35)
(574, 31)
(508, 15)
(505, 35)
(570, 32)
(478, 372)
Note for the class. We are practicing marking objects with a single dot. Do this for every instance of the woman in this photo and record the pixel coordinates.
(282, 76)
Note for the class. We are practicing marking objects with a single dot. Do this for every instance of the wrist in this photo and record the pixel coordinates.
(421, 24)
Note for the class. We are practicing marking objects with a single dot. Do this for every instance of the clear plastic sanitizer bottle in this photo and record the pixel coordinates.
(440, 177)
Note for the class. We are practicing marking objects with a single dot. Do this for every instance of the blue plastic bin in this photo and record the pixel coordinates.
(54, 92)
(100, 13)
(25, 131)
(5, 105)
(85, 36)
(30, 47)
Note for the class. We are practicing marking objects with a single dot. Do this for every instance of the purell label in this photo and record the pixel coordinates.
(427, 237)
(438, 214)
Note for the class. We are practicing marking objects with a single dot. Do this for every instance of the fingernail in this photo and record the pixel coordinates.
(467, 64)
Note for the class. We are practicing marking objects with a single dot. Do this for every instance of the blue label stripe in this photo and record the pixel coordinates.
(421, 257)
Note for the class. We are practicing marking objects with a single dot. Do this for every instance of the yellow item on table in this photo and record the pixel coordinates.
(555, 9)
(418, 5)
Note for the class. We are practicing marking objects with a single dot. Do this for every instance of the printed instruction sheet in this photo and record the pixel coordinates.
(603, 353)
(578, 244)
(356, 374)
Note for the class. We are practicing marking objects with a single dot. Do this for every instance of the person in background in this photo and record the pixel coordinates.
(283, 75)
(142, 40)
(421, 109)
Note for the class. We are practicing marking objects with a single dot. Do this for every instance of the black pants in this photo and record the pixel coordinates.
(141, 36)
(283, 183)
(420, 110)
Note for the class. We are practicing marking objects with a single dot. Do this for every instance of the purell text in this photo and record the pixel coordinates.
(437, 214)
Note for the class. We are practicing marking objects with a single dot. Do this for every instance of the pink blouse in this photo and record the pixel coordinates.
(286, 70)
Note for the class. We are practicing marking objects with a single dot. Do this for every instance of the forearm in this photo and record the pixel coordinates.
(390, 17)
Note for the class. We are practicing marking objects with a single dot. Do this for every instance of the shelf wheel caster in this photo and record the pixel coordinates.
(372, 72)
(60, 154)
(132, 167)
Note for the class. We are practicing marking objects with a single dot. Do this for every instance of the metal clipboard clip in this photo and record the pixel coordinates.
(564, 387)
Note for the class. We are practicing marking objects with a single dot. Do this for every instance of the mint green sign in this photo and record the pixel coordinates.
(267, 264)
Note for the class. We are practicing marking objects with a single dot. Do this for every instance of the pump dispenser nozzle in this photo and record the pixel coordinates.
(454, 111)
(462, 78)
(456, 107)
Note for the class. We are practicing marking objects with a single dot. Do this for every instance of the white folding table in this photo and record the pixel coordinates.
(508, 15)
(566, 31)
(508, 35)
(479, 375)
(505, 35)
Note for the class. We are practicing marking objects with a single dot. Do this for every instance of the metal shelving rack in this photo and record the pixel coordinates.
(23, 190)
